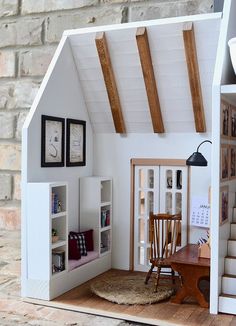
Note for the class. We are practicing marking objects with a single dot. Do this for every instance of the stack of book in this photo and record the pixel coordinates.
(56, 204)
(105, 217)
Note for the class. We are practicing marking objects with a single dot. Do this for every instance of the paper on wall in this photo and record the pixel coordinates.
(200, 211)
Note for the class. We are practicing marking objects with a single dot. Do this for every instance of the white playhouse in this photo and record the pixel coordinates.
(119, 111)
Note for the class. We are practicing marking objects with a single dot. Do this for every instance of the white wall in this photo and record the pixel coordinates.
(112, 154)
(62, 97)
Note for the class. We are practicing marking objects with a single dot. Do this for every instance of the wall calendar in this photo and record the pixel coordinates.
(200, 212)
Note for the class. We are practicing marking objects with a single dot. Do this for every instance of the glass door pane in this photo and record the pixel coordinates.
(146, 200)
(173, 195)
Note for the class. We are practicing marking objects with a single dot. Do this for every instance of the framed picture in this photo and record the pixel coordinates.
(232, 121)
(75, 142)
(52, 141)
(224, 204)
(224, 162)
(225, 111)
(232, 162)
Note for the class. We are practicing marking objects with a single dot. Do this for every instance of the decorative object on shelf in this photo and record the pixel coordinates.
(75, 142)
(56, 203)
(105, 217)
(232, 50)
(197, 159)
(105, 242)
(52, 141)
(225, 119)
(55, 236)
(58, 260)
(232, 162)
(224, 162)
(224, 204)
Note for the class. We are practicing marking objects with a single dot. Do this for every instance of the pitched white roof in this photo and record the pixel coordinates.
(169, 62)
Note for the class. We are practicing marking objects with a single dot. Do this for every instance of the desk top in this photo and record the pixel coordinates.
(188, 255)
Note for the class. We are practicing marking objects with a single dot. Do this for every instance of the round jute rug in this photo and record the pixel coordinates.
(129, 290)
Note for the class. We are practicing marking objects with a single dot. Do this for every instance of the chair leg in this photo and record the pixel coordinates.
(173, 276)
(157, 278)
(149, 274)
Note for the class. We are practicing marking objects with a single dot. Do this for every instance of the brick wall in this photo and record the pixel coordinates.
(29, 33)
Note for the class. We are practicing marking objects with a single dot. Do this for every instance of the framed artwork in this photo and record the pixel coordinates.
(224, 162)
(75, 142)
(52, 141)
(232, 122)
(232, 162)
(224, 204)
(225, 112)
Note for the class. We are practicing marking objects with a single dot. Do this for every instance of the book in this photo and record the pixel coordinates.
(105, 217)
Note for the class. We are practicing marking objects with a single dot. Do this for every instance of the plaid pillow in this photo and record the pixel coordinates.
(82, 245)
(80, 242)
(74, 251)
(88, 235)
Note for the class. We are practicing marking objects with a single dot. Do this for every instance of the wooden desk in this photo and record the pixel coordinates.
(192, 268)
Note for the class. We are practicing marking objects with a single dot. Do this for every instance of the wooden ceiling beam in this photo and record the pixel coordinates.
(110, 82)
(149, 79)
(194, 77)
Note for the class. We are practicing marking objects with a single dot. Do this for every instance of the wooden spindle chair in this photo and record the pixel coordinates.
(164, 230)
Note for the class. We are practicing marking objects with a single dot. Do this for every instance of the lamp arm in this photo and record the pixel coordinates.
(205, 141)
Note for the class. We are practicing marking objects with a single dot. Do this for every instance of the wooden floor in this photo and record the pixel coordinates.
(81, 299)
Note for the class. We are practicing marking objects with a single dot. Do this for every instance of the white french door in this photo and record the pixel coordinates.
(146, 200)
(158, 189)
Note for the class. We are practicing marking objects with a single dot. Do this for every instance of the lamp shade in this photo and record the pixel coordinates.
(196, 159)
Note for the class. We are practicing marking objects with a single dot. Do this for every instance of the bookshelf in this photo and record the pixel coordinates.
(47, 210)
(96, 211)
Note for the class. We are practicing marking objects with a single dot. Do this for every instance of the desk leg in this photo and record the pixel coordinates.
(190, 276)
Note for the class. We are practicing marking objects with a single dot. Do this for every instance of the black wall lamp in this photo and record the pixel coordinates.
(197, 159)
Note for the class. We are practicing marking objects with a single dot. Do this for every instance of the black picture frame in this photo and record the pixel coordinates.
(75, 142)
(52, 141)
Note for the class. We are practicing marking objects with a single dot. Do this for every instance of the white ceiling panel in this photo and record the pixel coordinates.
(98, 107)
(170, 69)
(103, 128)
(137, 116)
(136, 127)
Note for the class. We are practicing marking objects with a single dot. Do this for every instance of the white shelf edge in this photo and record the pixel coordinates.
(56, 184)
(105, 203)
(64, 213)
(57, 274)
(105, 253)
(58, 244)
(105, 228)
(228, 89)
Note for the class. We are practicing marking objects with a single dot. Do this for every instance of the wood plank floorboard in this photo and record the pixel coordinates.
(164, 313)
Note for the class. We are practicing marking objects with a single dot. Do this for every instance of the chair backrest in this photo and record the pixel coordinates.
(163, 234)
